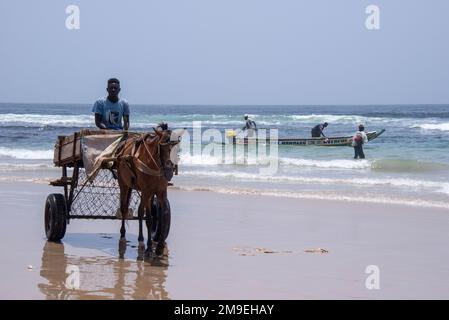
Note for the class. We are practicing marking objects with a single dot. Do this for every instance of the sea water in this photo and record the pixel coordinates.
(408, 164)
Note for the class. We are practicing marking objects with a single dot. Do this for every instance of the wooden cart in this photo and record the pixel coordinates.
(84, 199)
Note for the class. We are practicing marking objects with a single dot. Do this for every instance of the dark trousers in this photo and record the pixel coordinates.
(315, 133)
(358, 152)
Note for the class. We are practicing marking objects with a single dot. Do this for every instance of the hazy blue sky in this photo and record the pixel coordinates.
(226, 51)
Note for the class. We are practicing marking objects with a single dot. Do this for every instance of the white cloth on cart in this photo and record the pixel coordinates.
(97, 148)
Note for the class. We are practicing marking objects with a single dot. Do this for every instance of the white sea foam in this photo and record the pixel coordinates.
(441, 187)
(320, 196)
(11, 119)
(312, 118)
(25, 166)
(206, 159)
(433, 126)
(25, 153)
(327, 164)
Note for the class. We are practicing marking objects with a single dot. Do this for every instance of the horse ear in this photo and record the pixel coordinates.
(157, 132)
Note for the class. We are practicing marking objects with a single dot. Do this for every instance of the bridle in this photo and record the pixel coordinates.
(138, 164)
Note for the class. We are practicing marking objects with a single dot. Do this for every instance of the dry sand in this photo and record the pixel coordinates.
(230, 247)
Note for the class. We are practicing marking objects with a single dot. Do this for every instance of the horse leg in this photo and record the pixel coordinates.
(149, 223)
(141, 247)
(125, 195)
(161, 198)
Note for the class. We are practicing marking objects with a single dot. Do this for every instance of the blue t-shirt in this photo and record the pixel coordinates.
(111, 113)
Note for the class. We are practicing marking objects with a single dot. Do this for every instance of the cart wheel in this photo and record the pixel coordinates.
(55, 217)
(161, 221)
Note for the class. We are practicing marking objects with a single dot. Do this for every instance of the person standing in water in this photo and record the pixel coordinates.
(358, 141)
(111, 110)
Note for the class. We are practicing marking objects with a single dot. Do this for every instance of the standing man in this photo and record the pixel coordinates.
(358, 141)
(112, 112)
(317, 131)
(250, 125)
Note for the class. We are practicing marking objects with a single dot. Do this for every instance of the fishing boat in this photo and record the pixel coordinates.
(322, 141)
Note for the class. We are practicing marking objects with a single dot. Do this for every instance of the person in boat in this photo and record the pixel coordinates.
(359, 139)
(250, 126)
(111, 112)
(317, 131)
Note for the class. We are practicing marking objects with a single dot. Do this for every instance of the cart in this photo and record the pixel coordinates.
(96, 199)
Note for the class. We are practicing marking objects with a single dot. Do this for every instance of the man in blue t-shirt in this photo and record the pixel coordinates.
(110, 111)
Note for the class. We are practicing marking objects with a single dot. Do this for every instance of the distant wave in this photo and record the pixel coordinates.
(36, 120)
(433, 126)
(25, 166)
(207, 120)
(312, 118)
(25, 153)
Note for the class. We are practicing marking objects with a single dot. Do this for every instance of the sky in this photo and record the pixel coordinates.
(226, 52)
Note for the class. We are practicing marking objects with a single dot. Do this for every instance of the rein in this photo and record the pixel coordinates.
(139, 164)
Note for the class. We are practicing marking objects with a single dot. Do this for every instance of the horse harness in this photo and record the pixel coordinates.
(132, 161)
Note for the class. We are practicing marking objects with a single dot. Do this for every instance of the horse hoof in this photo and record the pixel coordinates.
(148, 253)
(160, 249)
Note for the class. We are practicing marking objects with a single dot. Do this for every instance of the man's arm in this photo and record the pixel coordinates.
(255, 125)
(98, 122)
(126, 122)
(126, 113)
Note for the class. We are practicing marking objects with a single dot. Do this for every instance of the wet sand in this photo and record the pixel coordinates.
(229, 247)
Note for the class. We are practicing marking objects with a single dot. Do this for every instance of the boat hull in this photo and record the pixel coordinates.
(325, 142)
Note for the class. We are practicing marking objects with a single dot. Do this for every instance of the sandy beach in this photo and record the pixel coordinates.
(230, 247)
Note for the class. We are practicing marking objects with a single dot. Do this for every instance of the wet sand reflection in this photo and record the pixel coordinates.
(101, 276)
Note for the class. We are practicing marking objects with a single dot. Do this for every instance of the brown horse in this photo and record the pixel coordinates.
(144, 164)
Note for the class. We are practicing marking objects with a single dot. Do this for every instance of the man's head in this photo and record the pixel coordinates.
(246, 117)
(325, 124)
(113, 88)
(361, 127)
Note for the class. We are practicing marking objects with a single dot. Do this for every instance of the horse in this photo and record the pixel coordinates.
(144, 164)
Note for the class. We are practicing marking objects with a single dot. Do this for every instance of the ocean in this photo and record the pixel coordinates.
(408, 164)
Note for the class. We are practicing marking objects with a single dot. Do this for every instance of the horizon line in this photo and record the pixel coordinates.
(241, 105)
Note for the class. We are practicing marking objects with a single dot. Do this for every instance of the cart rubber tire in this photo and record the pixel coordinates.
(161, 221)
(55, 217)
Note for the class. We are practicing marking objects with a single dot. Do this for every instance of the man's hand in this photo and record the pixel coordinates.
(98, 122)
(125, 122)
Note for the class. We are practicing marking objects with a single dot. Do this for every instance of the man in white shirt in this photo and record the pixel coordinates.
(358, 141)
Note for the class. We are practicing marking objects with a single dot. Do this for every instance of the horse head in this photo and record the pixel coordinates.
(168, 141)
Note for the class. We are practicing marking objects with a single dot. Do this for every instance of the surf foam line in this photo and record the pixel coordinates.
(317, 196)
(440, 187)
